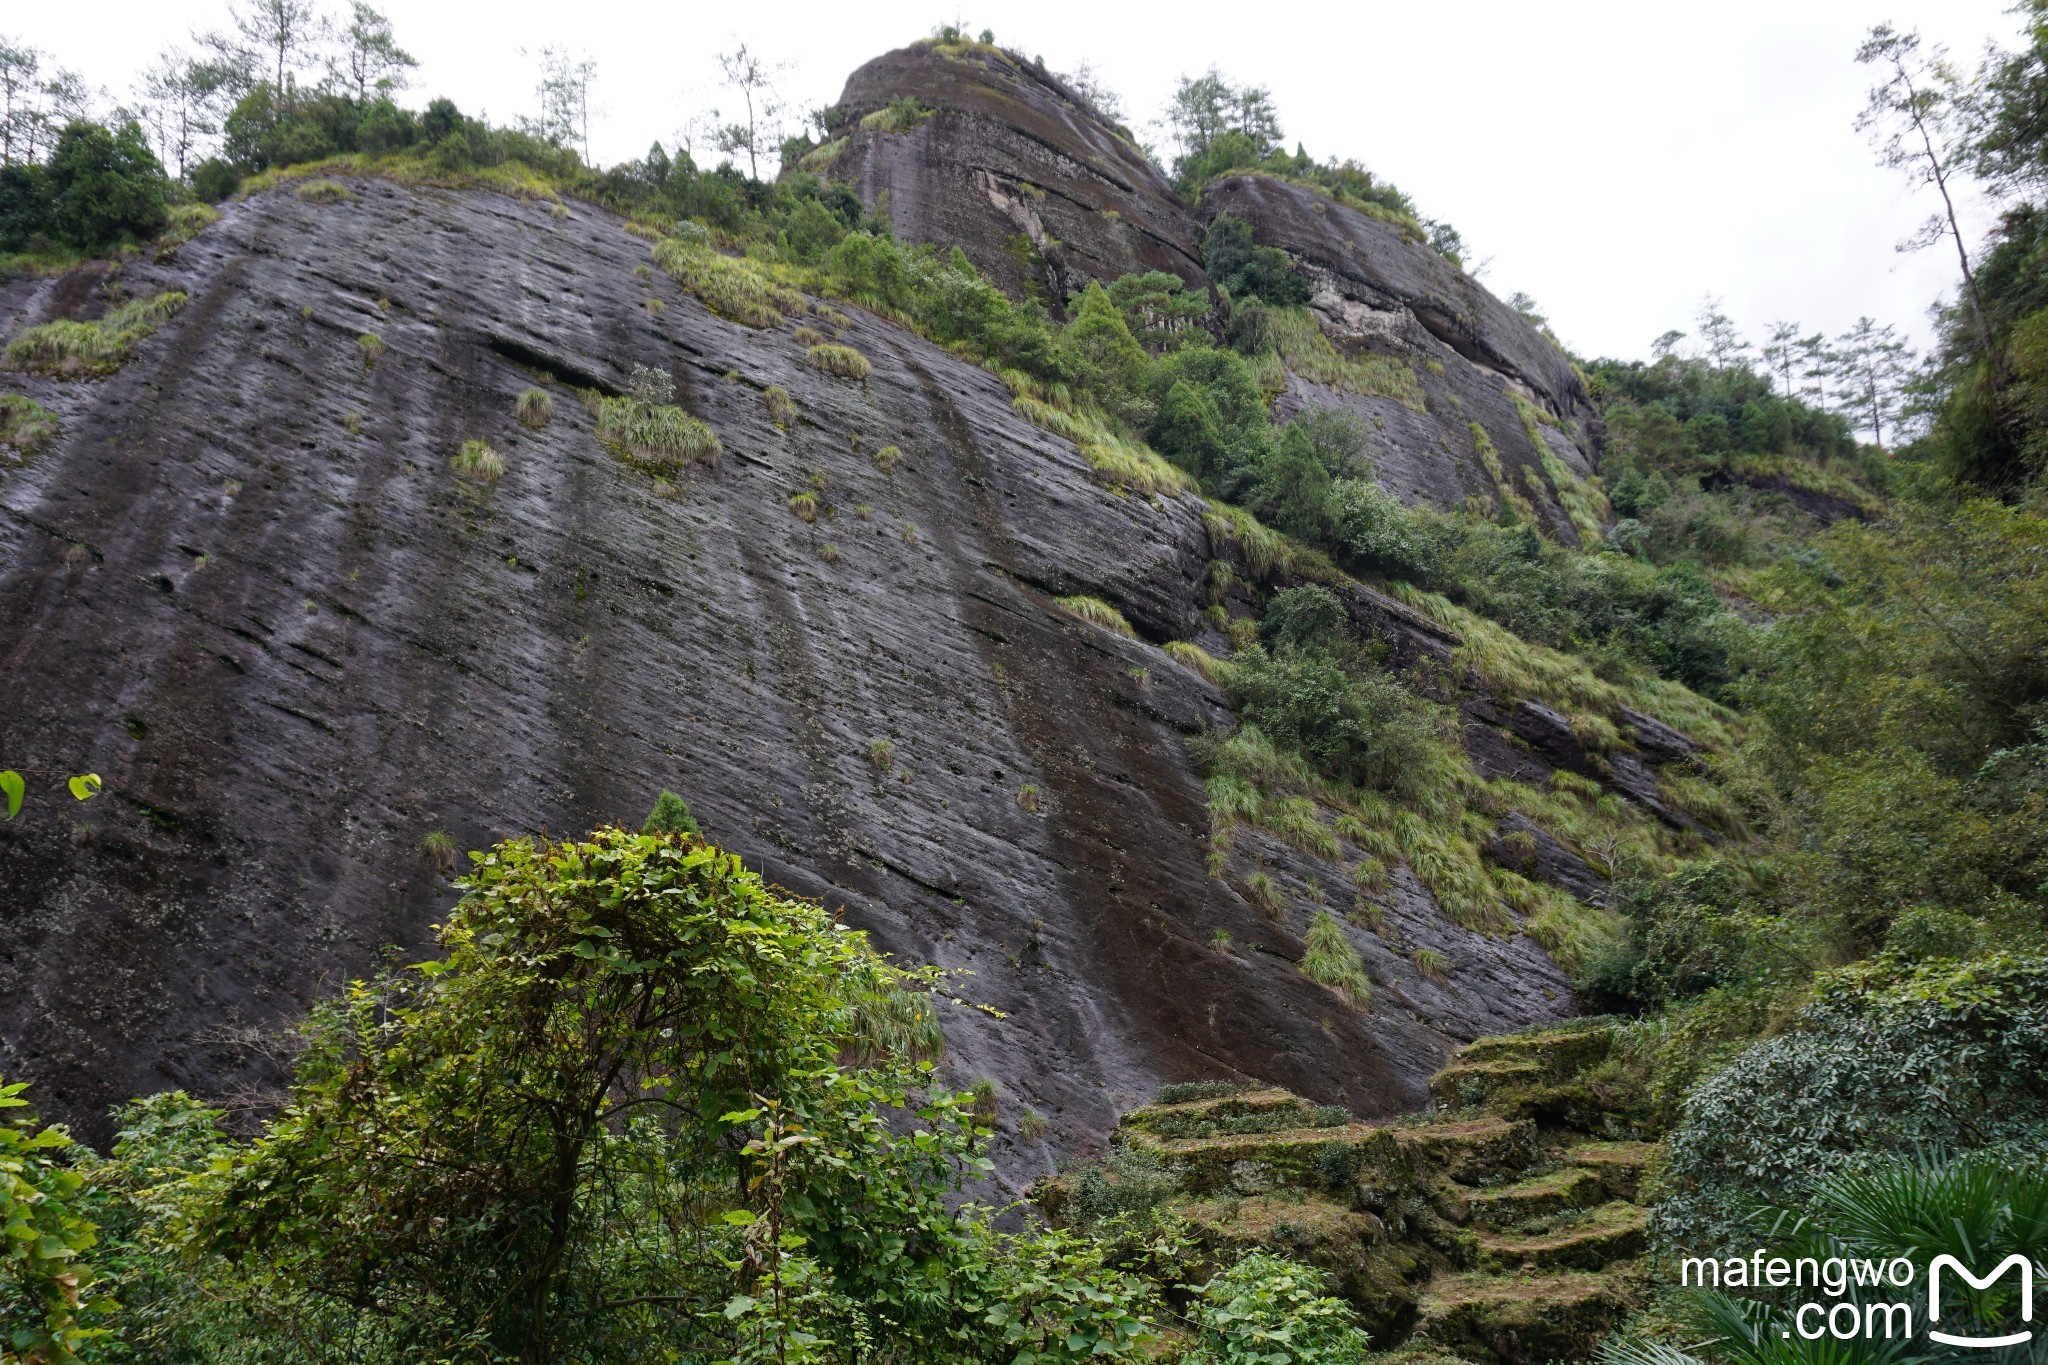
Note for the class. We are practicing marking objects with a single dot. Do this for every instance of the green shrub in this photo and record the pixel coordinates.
(535, 408)
(882, 753)
(80, 350)
(1332, 961)
(781, 407)
(804, 506)
(372, 347)
(104, 186)
(1353, 724)
(670, 815)
(1889, 1059)
(843, 361)
(51, 1296)
(1266, 1308)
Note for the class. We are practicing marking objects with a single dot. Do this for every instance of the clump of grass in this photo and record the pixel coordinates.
(1135, 465)
(1263, 893)
(899, 115)
(731, 288)
(1302, 348)
(1220, 940)
(25, 424)
(1095, 612)
(890, 1021)
(438, 848)
(1331, 960)
(829, 553)
(887, 458)
(659, 435)
(535, 408)
(1027, 797)
(781, 407)
(1431, 965)
(1264, 549)
(80, 350)
(1031, 1125)
(804, 506)
(882, 754)
(372, 347)
(910, 533)
(322, 192)
(984, 1104)
(808, 336)
(477, 461)
(1195, 657)
(843, 361)
(185, 222)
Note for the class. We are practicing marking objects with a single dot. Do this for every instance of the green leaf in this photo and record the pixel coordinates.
(85, 786)
(13, 786)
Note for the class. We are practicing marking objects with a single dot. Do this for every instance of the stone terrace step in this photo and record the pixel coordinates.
(1613, 1232)
(1557, 1052)
(1472, 1151)
(1475, 1083)
(1522, 1319)
(1619, 1165)
(1572, 1188)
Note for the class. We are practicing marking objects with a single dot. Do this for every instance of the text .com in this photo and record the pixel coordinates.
(1863, 1316)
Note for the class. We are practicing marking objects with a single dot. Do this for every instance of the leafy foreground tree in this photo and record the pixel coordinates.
(642, 1108)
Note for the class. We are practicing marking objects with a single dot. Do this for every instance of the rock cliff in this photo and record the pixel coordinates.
(1465, 397)
(246, 586)
(1011, 165)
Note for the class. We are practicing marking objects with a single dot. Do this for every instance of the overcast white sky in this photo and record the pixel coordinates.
(1615, 160)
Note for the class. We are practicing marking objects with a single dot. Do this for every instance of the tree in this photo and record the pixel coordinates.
(181, 98)
(20, 110)
(1102, 101)
(1783, 352)
(105, 186)
(1872, 365)
(370, 59)
(1208, 107)
(1916, 120)
(641, 1100)
(283, 31)
(1726, 347)
(564, 92)
(754, 79)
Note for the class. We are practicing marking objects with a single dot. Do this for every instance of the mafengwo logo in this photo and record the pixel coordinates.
(1854, 1285)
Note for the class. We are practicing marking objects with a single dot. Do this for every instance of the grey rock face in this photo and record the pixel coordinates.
(247, 587)
(1014, 168)
(1379, 293)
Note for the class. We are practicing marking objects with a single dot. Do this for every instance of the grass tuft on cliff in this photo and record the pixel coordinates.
(85, 350)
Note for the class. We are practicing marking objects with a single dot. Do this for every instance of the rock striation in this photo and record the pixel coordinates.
(247, 586)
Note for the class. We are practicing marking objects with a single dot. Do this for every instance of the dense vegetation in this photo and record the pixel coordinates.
(643, 1107)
